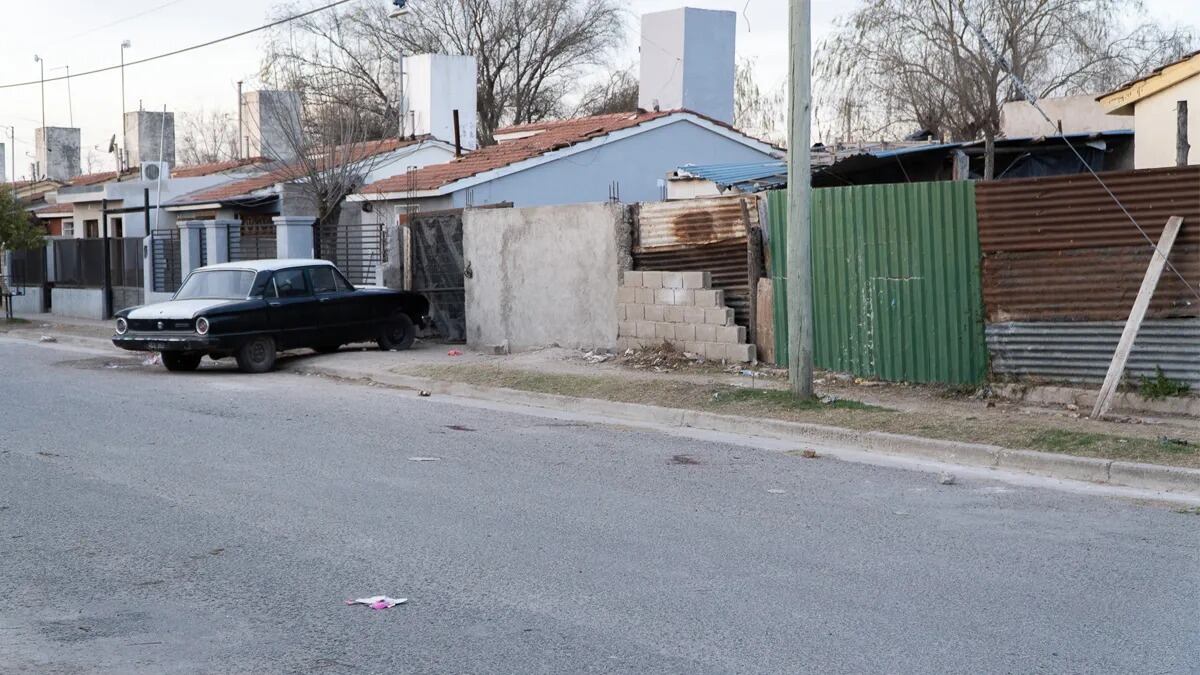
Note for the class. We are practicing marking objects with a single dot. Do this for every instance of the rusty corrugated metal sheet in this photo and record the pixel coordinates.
(1099, 283)
(692, 222)
(1060, 249)
(1068, 212)
(725, 260)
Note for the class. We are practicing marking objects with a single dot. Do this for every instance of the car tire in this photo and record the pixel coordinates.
(181, 362)
(256, 355)
(327, 349)
(397, 334)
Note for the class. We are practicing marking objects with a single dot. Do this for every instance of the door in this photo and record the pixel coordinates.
(292, 308)
(340, 313)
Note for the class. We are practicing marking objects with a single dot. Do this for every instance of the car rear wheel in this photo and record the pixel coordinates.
(257, 355)
(397, 334)
(178, 362)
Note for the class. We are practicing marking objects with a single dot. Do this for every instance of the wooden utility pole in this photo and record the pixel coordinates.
(1182, 147)
(799, 224)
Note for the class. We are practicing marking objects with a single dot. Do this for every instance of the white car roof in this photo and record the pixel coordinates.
(269, 265)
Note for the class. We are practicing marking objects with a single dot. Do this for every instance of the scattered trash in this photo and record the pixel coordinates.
(829, 399)
(683, 459)
(1122, 440)
(48, 338)
(775, 491)
(1072, 407)
(628, 352)
(458, 427)
(424, 392)
(946, 478)
(378, 602)
(424, 459)
(454, 352)
(1166, 440)
(593, 357)
(154, 359)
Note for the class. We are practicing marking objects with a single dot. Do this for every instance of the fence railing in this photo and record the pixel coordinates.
(28, 267)
(251, 242)
(166, 263)
(356, 249)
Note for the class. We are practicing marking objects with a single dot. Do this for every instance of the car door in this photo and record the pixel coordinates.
(337, 315)
(293, 309)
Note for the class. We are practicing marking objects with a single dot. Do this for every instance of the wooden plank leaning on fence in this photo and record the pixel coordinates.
(1117, 368)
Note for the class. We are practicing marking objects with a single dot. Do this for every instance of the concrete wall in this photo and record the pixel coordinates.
(637, 163)
(57, 152)
(1078, 114)
(271, 121)
(687, 61)
(681, 309)
(1154, 125)
(82, 303)
(32, 301)
(543, 276)
(437, 85)
(147, 134)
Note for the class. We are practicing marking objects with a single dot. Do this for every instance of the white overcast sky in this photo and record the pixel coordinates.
(86, 34)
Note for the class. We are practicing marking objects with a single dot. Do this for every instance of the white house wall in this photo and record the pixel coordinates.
(1154, 125)
(638, 163)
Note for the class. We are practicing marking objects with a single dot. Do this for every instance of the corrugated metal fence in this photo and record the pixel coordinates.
(896, 281)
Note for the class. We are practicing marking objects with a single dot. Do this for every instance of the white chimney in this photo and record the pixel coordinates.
(271, 125)
(146, 133)
(687, 61)
(57, 152)
(435, 86)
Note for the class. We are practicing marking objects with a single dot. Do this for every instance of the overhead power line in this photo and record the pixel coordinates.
(182, 50)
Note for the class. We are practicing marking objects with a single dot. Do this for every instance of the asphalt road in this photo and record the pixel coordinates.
(215, 522)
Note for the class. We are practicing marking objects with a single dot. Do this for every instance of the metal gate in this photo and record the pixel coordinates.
(166, 263)
(356, 249)
(436, 255)
(253, 239)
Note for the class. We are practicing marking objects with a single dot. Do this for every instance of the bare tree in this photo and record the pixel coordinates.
(207, 137)
(895, 64)
(530, 53)
(759, 113)
(615, 94)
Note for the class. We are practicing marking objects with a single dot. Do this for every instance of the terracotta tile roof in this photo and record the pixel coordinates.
(94, 178)
(55, 208)
(195, 170)
(544, 137)
(289, 172)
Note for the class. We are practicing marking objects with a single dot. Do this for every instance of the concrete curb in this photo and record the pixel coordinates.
(1070, 467)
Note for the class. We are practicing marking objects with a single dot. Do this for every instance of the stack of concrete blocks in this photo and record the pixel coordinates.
(683, 310)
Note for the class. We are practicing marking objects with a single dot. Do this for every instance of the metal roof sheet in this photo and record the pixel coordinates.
(767, 174)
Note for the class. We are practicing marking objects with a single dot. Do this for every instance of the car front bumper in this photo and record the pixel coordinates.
(170, 342)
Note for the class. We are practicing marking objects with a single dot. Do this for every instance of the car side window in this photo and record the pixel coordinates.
(291, 283)
(322, 279)
(268, 291)
(341, 283)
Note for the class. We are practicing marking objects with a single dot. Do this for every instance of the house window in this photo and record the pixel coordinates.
(117, 225)
(68, 228)
(91, 229)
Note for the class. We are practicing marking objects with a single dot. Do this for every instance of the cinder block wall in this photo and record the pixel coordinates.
(682, 309)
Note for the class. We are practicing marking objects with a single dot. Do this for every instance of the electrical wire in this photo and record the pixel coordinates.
(1033, 100)
(121, 20)
(183, 49)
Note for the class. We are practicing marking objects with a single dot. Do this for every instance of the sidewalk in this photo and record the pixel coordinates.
(1160, 453)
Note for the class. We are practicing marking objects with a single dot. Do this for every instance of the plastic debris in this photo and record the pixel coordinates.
(48, 338)
(594, 357)
(378, 602)
(454, 352)
(424, 459)
(424, 392)
(829, 399)
(946, 478)
(809, 454)
(774, 491)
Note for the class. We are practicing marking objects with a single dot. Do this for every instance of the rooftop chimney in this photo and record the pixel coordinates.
(57, 152)
(687, 61)
(144, 130)
(271, 124)
(438, 85)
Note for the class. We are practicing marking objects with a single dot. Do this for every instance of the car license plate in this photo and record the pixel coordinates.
(157, 346)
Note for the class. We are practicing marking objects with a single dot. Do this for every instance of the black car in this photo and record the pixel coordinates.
(250, 310)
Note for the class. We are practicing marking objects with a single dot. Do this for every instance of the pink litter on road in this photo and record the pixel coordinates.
(454, 352)
(378, 602)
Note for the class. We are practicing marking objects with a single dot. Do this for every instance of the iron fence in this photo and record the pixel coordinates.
(356, 249)
(165, 260)
(249, 241)
(28, 267)
(438, 270)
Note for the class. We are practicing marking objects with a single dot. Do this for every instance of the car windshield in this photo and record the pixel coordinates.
(223, 284)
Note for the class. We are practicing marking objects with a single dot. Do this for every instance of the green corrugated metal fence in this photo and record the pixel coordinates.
(896, 281)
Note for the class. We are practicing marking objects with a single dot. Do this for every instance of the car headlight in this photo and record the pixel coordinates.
(202, 326)
(122, 326)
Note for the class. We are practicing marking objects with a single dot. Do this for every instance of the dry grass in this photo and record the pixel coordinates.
(1012, 431)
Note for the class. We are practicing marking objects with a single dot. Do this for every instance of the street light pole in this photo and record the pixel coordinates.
(125, 44)
(799, 213)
